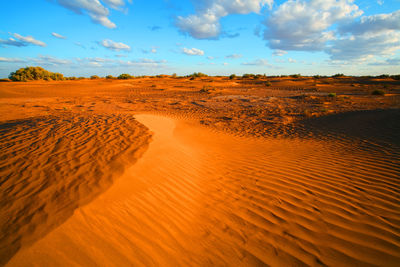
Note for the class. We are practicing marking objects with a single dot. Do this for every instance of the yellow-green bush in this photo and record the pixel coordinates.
(35, 73)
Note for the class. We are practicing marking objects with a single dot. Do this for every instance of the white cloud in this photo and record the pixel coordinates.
(376, 35)
(50, 60)
(234, 56)
(152, 50)
(12, 42)
(21, 41)
(205, 23)
(291, 60)
(304, 25)
(29, 39)
(96, 11)
(193, 51)
(59, 36)
(380, 2)
(116, 4)
(12, 60)
(279, 53)
(109, 44)
(43, 60)
(257, 62)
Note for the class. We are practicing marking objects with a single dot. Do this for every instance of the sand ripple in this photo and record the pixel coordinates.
(201, 198)
(49, 166)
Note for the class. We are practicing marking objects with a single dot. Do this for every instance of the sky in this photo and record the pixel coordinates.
(216, 37)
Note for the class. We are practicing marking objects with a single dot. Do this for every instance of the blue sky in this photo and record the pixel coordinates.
(217, 37)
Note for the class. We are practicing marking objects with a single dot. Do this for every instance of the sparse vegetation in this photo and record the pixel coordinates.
(125, 76)
(94, 77)
(233, 76)
(35, 73)
(268, 83)
(248, 76)
(337, 75)
(207, 89)
(378, 92)
(110, 77)
(383, 76)
(197, 75)
(332, 94)
(295, 75)
(5, 80)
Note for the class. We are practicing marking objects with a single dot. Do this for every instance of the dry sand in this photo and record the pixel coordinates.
(327, 195)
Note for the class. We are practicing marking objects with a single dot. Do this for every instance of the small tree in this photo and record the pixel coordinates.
(125, 76)
(34, 73)
(233, 76)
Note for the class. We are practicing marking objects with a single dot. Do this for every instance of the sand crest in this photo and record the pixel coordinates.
(199, 197)
(49, 166)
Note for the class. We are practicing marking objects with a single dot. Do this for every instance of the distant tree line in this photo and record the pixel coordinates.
(38, 73)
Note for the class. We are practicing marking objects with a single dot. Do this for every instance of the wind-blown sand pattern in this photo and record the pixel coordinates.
(205, 198)
(49, 166)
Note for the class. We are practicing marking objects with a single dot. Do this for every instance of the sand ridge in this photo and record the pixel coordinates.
(200, 197)
(51, 165)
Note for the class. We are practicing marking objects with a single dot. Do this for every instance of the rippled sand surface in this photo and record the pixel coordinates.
(199, 197)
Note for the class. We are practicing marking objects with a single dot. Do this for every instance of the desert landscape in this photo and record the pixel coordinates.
(199, 133)
(204, 171)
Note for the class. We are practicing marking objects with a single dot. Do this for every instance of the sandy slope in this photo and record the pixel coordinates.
(51, 165)
(199, 197)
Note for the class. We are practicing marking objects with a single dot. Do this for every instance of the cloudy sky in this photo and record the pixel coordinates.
(217, 37)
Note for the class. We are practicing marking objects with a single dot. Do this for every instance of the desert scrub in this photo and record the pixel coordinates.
(332, 94)
(125, 76)
(248, 76)
(268, 83)
(197, 75)
(35, 73)
(94, 77)
(378, 92)
(207, 89)
(233, 76)
(110, 77)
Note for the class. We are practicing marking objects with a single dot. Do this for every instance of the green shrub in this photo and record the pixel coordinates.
(247, 76)
(395, 77)
(94, 77)
(383, 76)
(35, 73)
(268, 83)
(198, 75)
(338, 75)
(233, 76)
(378, 92)
(125, 76)
(110, 77)
(332, 94)
(295, 75)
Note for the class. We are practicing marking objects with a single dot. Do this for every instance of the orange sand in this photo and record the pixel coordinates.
(232, 172)
(199, 197)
